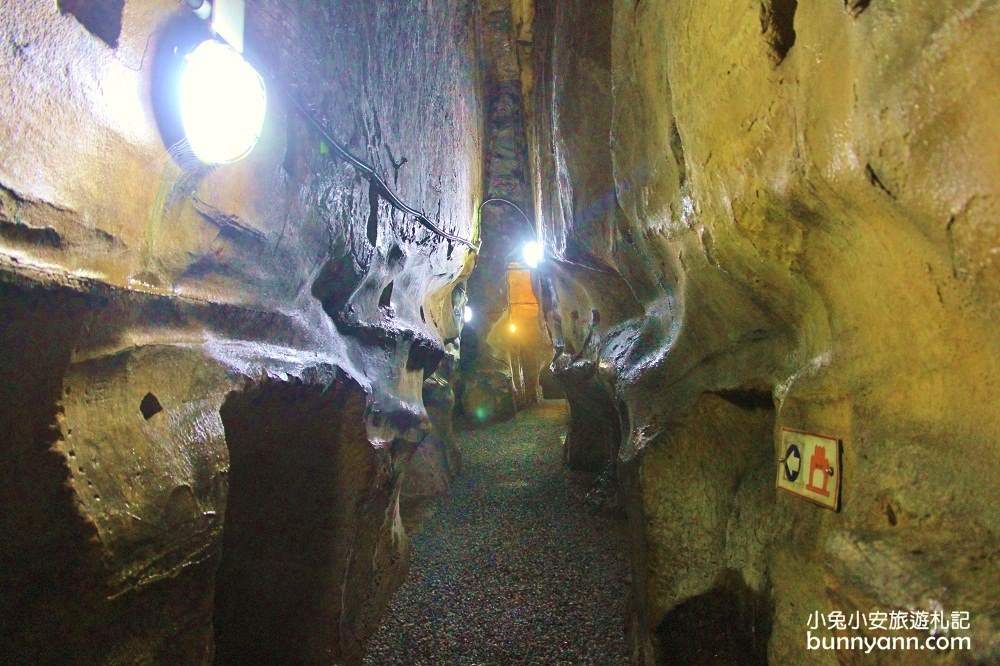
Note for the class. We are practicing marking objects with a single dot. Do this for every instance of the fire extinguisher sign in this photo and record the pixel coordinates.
(809, 467)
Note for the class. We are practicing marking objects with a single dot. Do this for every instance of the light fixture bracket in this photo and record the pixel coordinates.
(228, 21)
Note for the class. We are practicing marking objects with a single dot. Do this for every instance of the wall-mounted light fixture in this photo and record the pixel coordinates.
(467, 314)
(532, 251)
(512, 327)
(228, 17)
(222, 103)
(209, 101)
(235, 114)
(532, 254)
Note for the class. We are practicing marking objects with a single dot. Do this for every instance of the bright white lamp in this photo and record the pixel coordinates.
(467, 314)
(532, 253)
(222, 103)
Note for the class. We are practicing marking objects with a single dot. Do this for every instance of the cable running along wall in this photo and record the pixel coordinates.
(368, 172)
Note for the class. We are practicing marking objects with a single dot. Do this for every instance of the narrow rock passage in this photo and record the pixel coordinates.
(512, 568)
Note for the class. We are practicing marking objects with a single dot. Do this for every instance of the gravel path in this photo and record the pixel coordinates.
(511, 568)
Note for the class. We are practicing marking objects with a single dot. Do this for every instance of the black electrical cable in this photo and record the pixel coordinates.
(534, 233)
(369, 173)
(567, 262)
(516, 207)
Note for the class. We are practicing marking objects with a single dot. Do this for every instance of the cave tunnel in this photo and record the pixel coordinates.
(499, 332)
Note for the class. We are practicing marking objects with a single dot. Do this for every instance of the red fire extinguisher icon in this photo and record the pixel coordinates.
(819, 463)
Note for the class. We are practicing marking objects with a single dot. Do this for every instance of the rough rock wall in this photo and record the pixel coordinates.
(144, 295)
(437, 461)
(785, 216)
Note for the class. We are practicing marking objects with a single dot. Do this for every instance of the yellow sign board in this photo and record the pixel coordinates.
(809, 467)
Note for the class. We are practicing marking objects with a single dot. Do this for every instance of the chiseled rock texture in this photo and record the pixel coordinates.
(213, 379)
(778, 214)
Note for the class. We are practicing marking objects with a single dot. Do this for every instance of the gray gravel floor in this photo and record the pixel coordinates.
(511, 568)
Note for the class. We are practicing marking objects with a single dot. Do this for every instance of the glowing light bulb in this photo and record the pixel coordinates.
(532, 253)
(467, 314)
(222, 103)
(512, 328)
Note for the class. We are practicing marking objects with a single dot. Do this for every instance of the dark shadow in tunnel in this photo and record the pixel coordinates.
(298, 456)
(101, 18)
(727, 626)
(551, 388)
(49, 553)
(595, 428)
(777, 24)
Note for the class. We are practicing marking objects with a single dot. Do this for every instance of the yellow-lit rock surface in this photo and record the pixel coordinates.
(790, 209)
(757, 215)
(141, 292)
